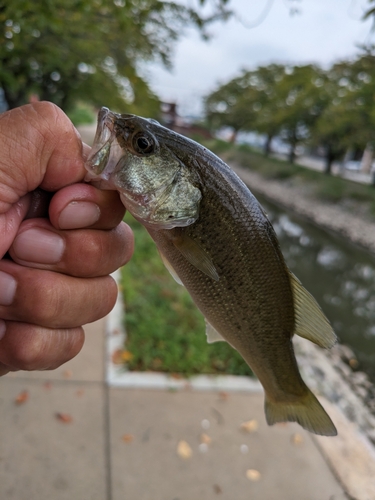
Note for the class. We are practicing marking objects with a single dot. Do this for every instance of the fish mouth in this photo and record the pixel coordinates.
(105, 126)
(100, 151)
(105, 152)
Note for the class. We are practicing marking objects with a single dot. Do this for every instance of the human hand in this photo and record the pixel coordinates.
(58, 278)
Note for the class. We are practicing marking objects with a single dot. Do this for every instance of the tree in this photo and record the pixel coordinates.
(300, 100)
(349, 119)
(246, 103)
(231, 105)
(271, 100)
(265, 80)
(65, 50)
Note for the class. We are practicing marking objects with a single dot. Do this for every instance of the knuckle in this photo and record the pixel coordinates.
(29, 354)
(43, 349)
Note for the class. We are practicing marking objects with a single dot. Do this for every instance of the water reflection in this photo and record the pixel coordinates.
(339, 275)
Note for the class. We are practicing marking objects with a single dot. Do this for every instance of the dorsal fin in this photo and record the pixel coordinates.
(310, 321)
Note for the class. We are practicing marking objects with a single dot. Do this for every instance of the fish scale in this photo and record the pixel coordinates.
(216, 239)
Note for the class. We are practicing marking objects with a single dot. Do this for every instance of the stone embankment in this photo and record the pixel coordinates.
(356, 227)
(331, 373)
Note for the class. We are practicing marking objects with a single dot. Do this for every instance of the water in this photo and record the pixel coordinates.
(338, 274)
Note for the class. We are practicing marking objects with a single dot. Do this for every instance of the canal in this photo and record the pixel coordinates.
(340, 275)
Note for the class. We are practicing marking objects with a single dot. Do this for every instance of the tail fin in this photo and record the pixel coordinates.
(308, 412)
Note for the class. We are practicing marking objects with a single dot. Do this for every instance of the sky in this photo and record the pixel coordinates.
(323, 31)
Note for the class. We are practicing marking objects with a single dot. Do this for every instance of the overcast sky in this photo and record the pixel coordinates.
(324, 31)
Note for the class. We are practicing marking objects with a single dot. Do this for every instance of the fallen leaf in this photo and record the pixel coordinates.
(126, 356)
(127, 438)
(64, 417)
(353, 362)
(116, 357)
(217, 489)
(120, 356)
(249, 426)
(183, 450)
(205, 438)
(297, 439)
(22, 397)
(223, 395)
(253, 475)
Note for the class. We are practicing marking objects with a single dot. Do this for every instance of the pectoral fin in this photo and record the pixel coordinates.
(212, 334)
(310, 321)
(196, 255)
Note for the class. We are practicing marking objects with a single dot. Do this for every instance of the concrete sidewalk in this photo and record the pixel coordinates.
(76, 438)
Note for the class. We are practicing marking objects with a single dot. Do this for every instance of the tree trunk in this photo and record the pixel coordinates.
(267, 145)
(292, 153)
(233, 137)
(366, 161)
(328, 165)
(329, 160)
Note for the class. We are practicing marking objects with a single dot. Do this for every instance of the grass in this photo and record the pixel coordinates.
(165, 330)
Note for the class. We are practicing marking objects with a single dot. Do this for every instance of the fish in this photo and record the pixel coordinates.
(216, 239)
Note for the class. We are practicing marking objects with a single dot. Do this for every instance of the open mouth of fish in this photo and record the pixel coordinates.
(103, 157)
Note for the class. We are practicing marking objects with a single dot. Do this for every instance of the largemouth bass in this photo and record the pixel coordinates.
(217, 241)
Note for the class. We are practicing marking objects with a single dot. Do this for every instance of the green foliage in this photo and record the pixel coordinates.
(246, 102)
(333, 108)
(82, 114)
(90, 50)
(165, 331)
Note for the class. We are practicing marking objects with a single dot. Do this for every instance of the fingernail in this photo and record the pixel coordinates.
(2, 328)
(79, 214)
(39, 245)
(8, 287)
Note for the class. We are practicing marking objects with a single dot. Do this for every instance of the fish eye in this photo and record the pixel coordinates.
(144, 143)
